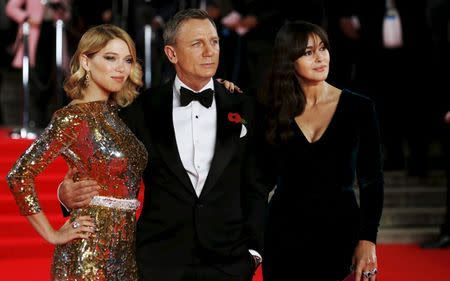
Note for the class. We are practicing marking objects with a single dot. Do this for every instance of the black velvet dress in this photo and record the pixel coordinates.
(315, 219)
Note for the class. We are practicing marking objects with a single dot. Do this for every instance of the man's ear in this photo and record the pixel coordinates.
(171, 54)
(84, 62)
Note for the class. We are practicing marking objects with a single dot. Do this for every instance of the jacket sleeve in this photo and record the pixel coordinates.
(258, 182)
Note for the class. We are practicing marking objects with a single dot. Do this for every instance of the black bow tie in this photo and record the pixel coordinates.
(205, 97)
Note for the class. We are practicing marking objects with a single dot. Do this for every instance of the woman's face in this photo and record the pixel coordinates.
(313, 65)
(110, 67)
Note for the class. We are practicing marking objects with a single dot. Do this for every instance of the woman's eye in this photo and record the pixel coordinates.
(307, 53)
(110, 58)
(129, 61)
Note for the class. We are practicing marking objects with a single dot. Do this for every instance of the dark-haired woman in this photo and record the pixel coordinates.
(323, 140)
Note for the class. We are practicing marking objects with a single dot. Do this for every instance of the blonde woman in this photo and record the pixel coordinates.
(97, 242)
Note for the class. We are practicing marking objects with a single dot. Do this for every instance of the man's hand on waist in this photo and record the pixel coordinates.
(74, 195)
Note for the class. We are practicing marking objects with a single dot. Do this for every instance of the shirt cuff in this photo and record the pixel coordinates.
(57, 195)
(255, 253)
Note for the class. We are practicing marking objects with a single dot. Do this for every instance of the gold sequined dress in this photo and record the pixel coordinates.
(91, 137)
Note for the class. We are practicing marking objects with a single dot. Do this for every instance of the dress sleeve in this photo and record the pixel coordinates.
(59, 134)
(370, 174)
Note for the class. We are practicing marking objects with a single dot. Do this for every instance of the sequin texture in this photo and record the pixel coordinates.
(91, 137)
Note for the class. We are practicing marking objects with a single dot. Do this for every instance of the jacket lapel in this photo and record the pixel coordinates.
(165, 140)
(226, 138)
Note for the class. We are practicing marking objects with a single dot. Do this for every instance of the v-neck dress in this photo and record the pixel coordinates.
(314, 214)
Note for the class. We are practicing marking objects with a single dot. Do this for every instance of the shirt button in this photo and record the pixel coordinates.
(196, 116)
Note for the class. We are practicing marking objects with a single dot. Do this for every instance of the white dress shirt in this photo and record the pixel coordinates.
(195, 133)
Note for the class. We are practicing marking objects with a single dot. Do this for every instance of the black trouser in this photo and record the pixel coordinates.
(200, 272)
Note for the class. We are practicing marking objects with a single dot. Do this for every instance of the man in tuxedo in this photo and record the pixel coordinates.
(204, 208)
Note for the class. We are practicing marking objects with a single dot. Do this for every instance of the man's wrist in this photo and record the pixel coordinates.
(257, 259)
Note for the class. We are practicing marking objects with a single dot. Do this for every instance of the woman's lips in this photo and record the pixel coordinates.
(321, 68)
(118, 79)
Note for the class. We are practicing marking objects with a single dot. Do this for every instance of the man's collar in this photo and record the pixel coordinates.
(177, 84)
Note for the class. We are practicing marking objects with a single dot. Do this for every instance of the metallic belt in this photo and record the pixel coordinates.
(110, 202)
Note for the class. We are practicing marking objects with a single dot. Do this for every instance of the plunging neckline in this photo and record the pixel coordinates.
(330, 123)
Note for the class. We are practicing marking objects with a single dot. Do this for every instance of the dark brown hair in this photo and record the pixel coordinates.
(283, 96)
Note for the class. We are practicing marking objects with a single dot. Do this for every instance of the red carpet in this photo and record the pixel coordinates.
(25, 256)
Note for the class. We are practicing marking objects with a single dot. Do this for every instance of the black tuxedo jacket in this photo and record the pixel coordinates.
(176, 227)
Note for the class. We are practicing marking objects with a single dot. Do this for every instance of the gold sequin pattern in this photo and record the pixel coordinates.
(91, 137)
(107, 256)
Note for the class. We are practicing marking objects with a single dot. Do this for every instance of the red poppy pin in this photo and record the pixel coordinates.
(236, 118)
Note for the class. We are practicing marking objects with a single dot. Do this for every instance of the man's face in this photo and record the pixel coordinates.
(195, 53)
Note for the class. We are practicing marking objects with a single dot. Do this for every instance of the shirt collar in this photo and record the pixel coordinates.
(178, 84)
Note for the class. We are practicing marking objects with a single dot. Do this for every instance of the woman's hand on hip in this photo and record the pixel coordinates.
(80, 228)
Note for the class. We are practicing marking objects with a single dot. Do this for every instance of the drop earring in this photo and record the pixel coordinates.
(86, 80)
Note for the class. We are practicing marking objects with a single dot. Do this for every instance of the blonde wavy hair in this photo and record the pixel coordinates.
(92, 41)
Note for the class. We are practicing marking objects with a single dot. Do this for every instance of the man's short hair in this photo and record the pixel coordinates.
(174, 24)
